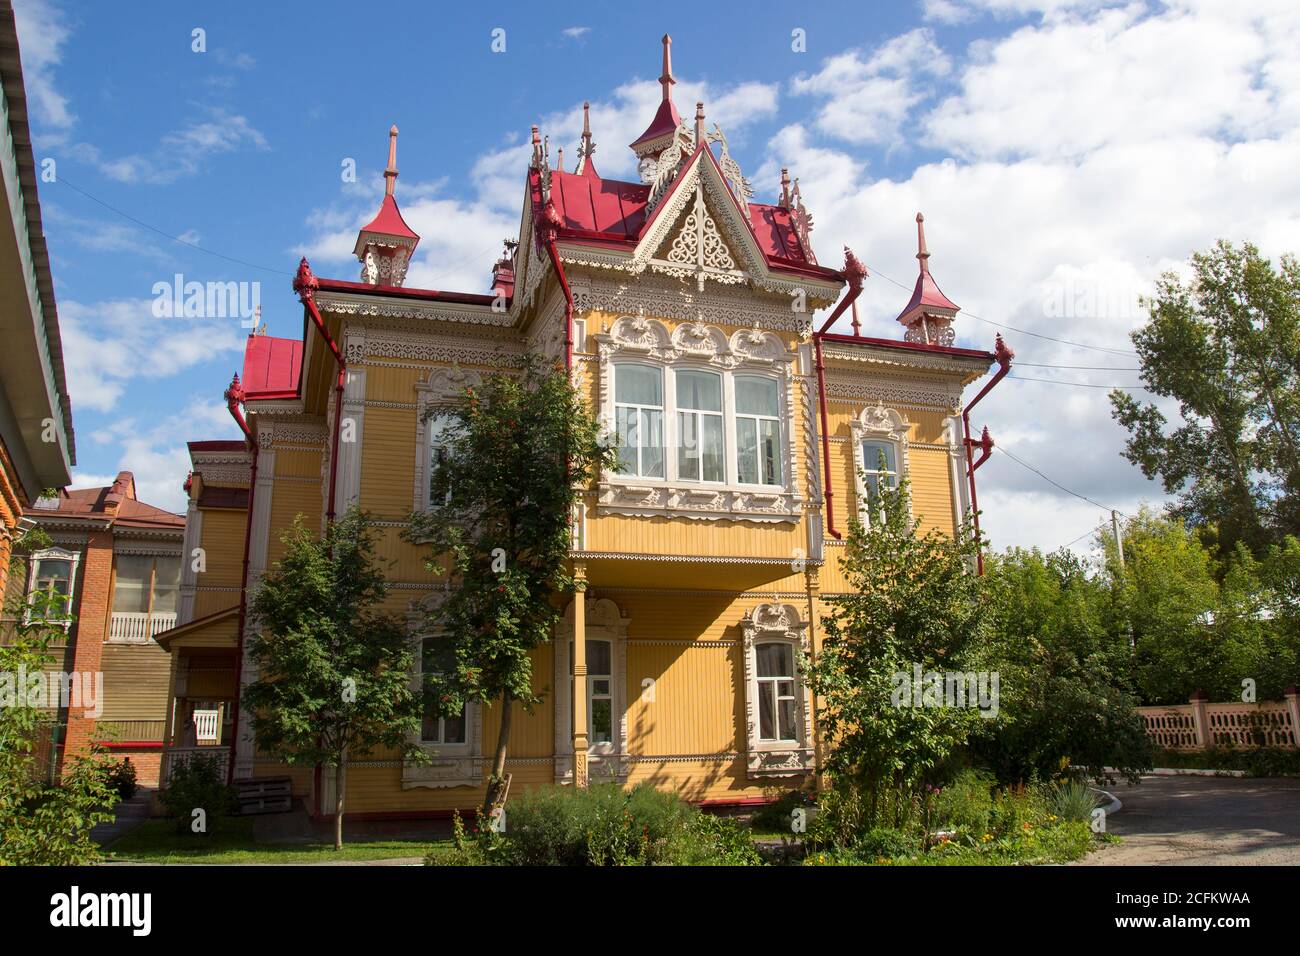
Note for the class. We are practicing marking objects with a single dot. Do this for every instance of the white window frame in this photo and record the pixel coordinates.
(55, 554)
(438, 391)
(776, 624)
(605, 760)
(771, 686)
(698, 346)
(441, 743)
(880, 424)
(449, 765)
(723, 417)
(757, 419)
(641, 412)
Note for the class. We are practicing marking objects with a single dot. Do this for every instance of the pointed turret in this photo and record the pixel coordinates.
(928, 315)
(658, 134)
(385, 245)
(587, 147)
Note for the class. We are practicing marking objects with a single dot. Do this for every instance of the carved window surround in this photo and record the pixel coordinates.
(769, 623)
(450, 765)
(877, 423)
(697, 345)
(441, 388)
(608, 761)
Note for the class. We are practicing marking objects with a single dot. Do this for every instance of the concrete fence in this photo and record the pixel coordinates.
(1199, 724)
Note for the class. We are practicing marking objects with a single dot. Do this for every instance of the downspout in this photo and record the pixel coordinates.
(854, 273)
(547, 230)
(1004, 356)
(234, 397)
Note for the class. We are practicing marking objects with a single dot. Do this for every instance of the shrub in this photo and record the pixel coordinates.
(603, 825)
(1073, 801)
(966, 802)
(888, 843)
(775, 817)
(198, 784)
(121, 777)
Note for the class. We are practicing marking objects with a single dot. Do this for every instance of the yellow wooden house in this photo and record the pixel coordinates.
(697, 323)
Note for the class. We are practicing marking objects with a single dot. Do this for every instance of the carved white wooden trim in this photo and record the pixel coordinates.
(877, 423)
(767, 623)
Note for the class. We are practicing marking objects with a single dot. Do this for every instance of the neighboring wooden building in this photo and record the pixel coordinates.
(116, 561)
(36, 440)
(747, 436)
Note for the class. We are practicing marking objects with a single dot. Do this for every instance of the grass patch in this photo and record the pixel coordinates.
(231, 842)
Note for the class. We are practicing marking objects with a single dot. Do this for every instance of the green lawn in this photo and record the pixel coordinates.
(232, 842)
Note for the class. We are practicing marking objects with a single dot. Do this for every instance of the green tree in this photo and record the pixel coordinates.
(518, 453)
(42, 824)
(334, 671)
(916, 601)
(1225, 345)
(1064, 660)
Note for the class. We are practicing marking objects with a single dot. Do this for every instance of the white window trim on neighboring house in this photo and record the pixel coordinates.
(776, 623)
(877, 423)
(701, 347)
(55, 554)
(605, 761)
(439, 389)
(450, 765)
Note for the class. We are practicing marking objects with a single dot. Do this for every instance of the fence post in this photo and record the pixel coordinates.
(1293, 706)
(1200, 718)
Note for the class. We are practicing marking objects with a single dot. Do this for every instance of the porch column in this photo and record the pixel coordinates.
(580, 675)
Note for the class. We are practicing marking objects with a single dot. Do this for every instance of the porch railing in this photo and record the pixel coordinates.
(137, 627)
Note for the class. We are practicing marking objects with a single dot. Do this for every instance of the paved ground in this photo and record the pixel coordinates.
(130, 814)
(1204, 821)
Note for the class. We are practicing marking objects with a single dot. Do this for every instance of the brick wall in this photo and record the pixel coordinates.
(93, 595)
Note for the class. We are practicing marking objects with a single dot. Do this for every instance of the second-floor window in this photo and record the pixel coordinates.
(758, 430)
(639, 419)
(879, 467)
(700, 454)
(52, 581)
(439, 490)
(146, 584)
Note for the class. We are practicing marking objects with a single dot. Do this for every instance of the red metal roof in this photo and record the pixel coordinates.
(271, 367)
(666, 120)
(389, 221)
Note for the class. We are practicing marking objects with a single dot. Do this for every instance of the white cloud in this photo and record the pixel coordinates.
(108, 346)
(1073, 188)
(181, 152)
(574, 33)
(42, 31)
(867, 97)
(154, 450)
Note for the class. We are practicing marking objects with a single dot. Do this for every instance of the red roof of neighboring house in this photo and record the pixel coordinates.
(216, 445)
(272, 367)
(116, 502)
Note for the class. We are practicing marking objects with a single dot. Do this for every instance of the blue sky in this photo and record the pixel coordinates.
(1064, 152)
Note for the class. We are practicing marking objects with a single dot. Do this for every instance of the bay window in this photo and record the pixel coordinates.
(700, 454)
(758, 430)
(639, 420)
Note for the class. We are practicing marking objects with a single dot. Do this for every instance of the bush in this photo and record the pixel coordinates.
(121, 777)
(965, 803)
(887, 843)
(198, 784)
(603, 825)
(1254, 761)
(1073, 801)
(775, 817)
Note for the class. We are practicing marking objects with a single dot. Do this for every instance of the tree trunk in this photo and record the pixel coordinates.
(340, 788)
(499, 759)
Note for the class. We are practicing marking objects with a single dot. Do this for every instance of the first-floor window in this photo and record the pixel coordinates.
(438, 726)
(776, 691)
(600, 698)
(879, 466)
